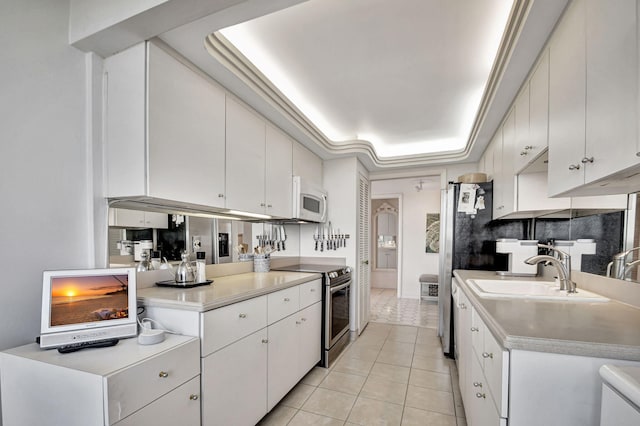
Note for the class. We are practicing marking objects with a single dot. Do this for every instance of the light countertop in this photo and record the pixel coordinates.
(224, 290)
(599, 329)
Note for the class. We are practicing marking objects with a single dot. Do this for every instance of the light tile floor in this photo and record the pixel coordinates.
(394, 373)
(387, 308)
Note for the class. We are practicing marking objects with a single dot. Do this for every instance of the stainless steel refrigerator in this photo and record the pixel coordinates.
(467, 241)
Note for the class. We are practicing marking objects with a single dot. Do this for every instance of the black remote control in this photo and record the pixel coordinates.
(73, 347)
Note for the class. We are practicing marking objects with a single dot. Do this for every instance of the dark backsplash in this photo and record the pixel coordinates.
(479, 251)
(607, 229)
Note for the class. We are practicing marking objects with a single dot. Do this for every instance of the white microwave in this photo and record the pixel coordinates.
(309, 201)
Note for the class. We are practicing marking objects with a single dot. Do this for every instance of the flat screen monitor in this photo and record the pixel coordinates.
(87, 306)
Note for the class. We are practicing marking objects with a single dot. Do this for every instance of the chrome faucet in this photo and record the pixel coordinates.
(562, 263)
(618, 268)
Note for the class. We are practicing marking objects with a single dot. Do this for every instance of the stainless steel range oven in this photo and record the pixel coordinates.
(336, 302)
(337, 299)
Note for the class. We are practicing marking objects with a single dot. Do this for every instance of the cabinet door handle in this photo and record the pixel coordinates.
(303, 319)
(480, 395)
(286, 299)
(265, 340)
(523, 153)
(586, 160)
(477, 384)
(313, 290)
(298, 322)
(463, 306)
(528, 147)
(163, 374)
(269, 206)
(487, 355)
(574, 167)
(193, 397)
(220, 195)
(474, 328)
(262, 204)
(242, 316)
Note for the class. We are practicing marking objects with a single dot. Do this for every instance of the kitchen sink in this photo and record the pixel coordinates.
(539, 290)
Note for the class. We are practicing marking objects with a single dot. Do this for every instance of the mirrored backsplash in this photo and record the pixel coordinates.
(218, 240)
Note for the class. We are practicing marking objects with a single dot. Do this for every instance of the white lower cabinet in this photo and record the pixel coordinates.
(522, 387)
(480, 410)
(253, 352)
(483, 368)
(294, 349)
(310, 344)
(179, 407)
(617, 410)
(127, 384)
(284, 350)
(234, 380)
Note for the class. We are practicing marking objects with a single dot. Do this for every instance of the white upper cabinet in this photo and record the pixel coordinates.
(592, 96)
(245, 158)
(164, 129)
(503, 180)
(539, 108)
(532, 116)
(522, 147)
(307, 164)
(278, 179)
(137, 219)
(259, 164)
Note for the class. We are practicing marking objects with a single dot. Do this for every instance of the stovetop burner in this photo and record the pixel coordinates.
(332, 272)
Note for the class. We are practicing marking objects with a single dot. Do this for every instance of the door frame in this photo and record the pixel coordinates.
(373, 238)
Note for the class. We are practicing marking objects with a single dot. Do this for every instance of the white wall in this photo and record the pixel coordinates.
(414, 207)
(45, 182)
(340, 182)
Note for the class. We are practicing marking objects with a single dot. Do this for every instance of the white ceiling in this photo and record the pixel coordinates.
(388, 81)
(406, 76)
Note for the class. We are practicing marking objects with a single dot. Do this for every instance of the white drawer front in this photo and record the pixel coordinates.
(477, 335)
(310, 293)
(181, 406)
(282, 303)
(223, 326)
(132, 388)
(496, 370)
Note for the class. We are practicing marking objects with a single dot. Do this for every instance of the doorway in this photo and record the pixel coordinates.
(385, 242)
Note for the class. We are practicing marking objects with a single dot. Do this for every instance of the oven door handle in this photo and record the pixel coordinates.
(340, 287)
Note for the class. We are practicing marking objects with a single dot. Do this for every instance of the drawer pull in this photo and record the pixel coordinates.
(480, 395)
(303, 319)
(298, 322)
(242, 316)
(193, 397)
(286, 299)
(163, 374)
(313, 290)
(474, 329)
(477, 384)
(487, 355)
(265, 340)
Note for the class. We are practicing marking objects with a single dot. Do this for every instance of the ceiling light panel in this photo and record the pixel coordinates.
(406, 76)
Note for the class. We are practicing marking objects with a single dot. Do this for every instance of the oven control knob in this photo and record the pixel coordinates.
(333, 274)
(347, 270)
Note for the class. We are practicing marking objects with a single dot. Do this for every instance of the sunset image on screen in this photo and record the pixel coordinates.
(87, 299)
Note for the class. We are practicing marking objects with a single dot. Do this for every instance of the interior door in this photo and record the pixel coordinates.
(364, 268)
